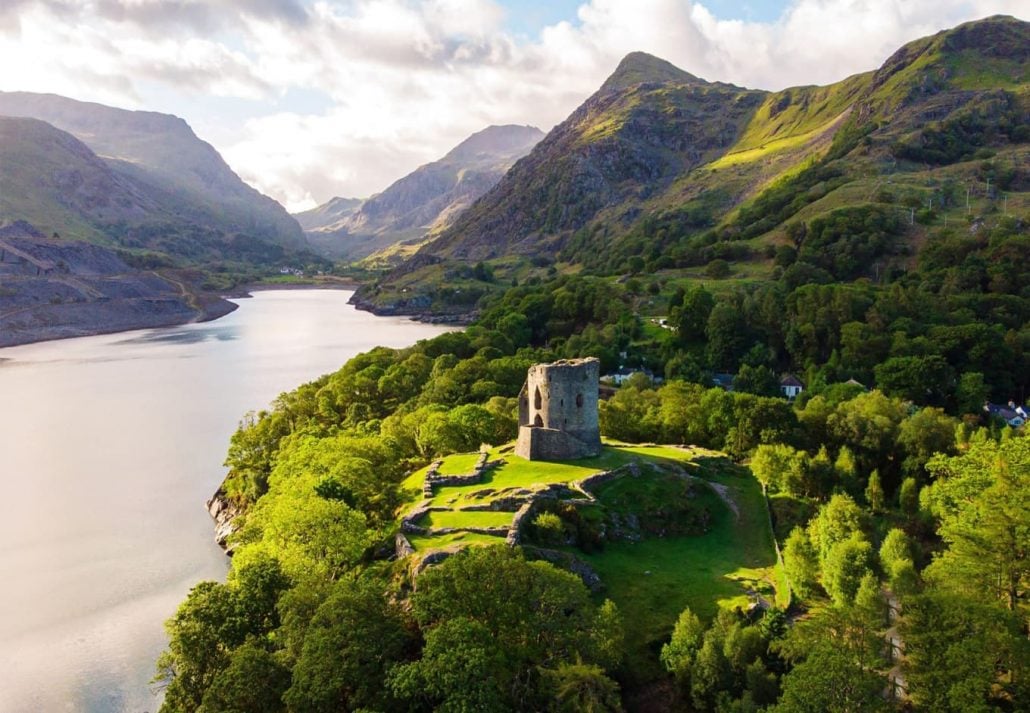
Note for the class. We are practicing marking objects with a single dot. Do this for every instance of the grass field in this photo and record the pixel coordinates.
(653, 580)
(466, 518)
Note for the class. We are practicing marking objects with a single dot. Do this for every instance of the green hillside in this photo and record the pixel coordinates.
(659, 171)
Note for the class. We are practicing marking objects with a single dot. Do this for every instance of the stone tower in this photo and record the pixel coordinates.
(558, 411)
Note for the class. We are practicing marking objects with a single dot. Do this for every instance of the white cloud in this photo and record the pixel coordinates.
(404, 80)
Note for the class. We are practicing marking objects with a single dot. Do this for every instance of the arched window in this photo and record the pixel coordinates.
(579, 400)
(538, 422)
(538, 401)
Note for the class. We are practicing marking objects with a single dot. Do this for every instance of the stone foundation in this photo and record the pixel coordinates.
(536, 443)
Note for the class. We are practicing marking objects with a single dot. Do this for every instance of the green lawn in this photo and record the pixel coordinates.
(520, 473)
(459, 464)
(653, 580)
(424, 543)
(466, 518)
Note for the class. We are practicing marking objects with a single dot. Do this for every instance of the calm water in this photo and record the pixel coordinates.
(109, 447)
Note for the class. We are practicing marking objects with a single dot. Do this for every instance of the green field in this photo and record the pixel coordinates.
(653, 580)
(466, 518)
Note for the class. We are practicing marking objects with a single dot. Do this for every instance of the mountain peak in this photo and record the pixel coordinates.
(641, 67)
(497, 140)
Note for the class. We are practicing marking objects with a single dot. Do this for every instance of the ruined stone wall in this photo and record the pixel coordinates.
(550, 444)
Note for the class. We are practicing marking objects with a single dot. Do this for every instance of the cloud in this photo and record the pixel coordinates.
(404, 81)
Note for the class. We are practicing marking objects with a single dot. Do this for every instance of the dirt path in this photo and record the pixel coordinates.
(723, 491)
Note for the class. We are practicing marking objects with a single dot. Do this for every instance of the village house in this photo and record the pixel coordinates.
(1015, 416)
(791, 386)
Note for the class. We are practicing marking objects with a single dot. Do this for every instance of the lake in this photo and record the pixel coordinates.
(109, 448)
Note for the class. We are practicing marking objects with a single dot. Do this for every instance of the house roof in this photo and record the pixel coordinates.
(791, 380)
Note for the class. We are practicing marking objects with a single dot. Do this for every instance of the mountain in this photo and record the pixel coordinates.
(662, 170)
(52, 180)
(648, 124)
(328, 214)
(53, 288)
(425, 201)
(162, 158)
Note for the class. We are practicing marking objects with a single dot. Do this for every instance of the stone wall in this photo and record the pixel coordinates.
(560, 398)
(551, 444)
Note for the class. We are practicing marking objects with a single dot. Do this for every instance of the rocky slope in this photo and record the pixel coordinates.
(53, 288)
(662, 167)
(163, 159)
(423, 202)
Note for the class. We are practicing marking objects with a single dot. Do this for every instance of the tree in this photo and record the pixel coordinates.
(920, 379)
(837, 655)
(874, 492)
(461, 669)
(988, 534)
(201, 634)
(831, 680)
(923, 434)
(759, 380)
(690, 317)
(801, 562)
(908, 496)
(846, 468)
(353, 638)
(253, 682)
(534, 613)
(582, 688)
(844, 566)
(835, 522)
(771, 463)
(895, 548)
(971, 392)
(678, 654)
(710, 672)
(963, 655)
(727, 334)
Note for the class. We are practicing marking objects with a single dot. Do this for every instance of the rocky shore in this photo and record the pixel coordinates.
(417, 309)
(51, 289)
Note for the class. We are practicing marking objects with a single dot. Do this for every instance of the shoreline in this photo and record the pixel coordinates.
(244, 291)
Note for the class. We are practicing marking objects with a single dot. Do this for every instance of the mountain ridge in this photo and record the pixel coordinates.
(679, 174)
(163, 152)
(423, 202)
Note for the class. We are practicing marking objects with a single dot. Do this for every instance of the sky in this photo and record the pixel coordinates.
(310, 99)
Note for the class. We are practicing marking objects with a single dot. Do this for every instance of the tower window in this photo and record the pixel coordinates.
(579, 400)
(538, 400)
(538, 422)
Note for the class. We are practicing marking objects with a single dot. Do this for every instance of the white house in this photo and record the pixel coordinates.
(791, 386)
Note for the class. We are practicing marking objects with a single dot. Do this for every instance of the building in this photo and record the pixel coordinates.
(622, 375)
(558, 411)
(1011, 414)
(791, 386)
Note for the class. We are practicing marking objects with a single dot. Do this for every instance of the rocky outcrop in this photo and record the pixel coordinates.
(225, 514)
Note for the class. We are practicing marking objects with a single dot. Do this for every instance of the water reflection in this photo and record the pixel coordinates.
(109, 447)
(183, 335)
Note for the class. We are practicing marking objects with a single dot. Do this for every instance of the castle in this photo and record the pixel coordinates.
(558, 411)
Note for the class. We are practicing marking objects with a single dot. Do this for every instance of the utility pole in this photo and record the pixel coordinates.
(911, 216)
(967, 199)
